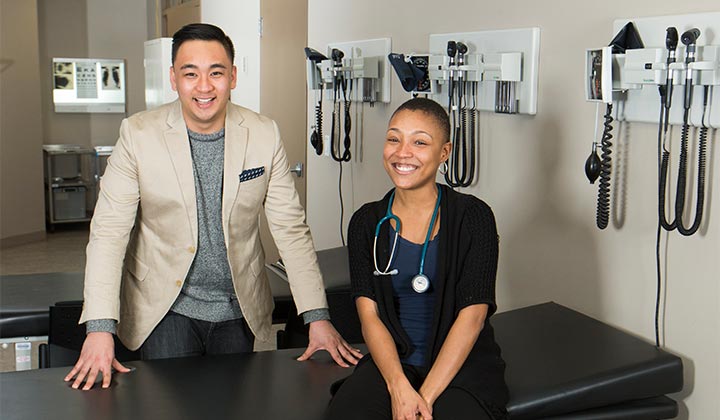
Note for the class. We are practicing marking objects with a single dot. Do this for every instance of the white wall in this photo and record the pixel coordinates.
(239, 20)
(531, 173)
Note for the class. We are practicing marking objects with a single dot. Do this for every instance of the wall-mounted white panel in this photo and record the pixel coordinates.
(158, 59)
(240, 20)
(380, 48)
(525, 41)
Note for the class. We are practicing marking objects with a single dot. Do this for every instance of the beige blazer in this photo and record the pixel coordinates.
(144, 231)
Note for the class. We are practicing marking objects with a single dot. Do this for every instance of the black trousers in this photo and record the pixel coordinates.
(364, 396)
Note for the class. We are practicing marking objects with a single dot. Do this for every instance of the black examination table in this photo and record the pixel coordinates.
(561, 364)
(25, 300)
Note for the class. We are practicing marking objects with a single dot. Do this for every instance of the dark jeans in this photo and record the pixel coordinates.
(364, 395)
(179, 336)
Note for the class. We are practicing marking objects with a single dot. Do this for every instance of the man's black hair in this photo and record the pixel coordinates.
(202, 32)
(431, 108)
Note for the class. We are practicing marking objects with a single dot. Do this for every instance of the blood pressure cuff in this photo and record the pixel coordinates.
(627, 38)
(408, 73)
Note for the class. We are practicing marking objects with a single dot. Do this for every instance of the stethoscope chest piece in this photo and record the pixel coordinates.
(420, 283)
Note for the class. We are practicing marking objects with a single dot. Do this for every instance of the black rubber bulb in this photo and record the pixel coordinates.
(316, 142)
(592, 166)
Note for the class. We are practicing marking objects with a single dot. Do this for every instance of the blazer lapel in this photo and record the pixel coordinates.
(178, 145)
(236, 140)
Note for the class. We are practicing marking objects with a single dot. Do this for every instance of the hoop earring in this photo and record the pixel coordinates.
(443, 168)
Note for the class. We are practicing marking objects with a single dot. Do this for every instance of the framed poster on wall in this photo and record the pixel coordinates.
(89, 85)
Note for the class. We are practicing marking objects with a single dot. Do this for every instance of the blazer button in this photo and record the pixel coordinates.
(178, 283)
(191, 249)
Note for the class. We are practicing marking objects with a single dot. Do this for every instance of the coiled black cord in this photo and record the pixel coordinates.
(461, 165)
(662, 186)
(473, 134)
(682, 174)
(316, 138)
(348, 123)
(341, 84)
(603, 202)
(663, 159)
(461, 162)
(452, 161)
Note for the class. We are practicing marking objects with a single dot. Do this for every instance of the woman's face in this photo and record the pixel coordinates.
(415, 147)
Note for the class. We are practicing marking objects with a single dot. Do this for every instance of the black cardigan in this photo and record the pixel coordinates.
(467, 265)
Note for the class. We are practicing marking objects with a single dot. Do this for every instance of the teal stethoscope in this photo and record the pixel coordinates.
(420, 283)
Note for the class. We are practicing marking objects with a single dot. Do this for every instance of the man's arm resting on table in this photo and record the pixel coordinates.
(323, 336)
(97, 355)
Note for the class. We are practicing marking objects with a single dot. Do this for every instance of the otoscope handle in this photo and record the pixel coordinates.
(689, 38)
(671, 38)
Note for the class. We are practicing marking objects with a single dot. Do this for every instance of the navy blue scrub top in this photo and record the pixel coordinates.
(414, 309)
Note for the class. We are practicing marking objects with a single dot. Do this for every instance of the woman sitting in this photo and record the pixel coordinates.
(423, 262)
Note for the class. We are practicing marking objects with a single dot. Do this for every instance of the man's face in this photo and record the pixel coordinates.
(203, 77)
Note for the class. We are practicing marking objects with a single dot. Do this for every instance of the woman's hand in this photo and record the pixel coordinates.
(407, 404)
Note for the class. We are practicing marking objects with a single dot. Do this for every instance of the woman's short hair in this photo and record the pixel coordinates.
(431, 108)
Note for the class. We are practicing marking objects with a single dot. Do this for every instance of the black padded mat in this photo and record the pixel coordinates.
(559, 361)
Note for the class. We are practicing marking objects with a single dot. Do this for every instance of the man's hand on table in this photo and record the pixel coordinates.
(323, 336)
(97, 356)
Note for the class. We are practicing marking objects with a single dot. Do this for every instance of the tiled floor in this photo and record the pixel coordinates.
(62, 251)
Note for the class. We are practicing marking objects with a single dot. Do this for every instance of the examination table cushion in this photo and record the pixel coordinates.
(560, 361)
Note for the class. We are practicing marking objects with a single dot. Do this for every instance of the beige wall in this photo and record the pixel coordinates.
(282, 86)
(63, 33)
(117, 30)
(33, 32)
(91, 29)
(21, 183)
(531, 173)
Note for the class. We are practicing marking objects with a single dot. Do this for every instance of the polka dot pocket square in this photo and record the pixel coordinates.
(253, 173)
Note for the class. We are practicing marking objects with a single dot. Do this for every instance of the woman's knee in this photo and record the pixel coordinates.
(363, 395)
(458, 404)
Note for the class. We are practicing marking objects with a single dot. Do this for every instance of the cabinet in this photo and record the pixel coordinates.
(70, 173)
(178, 13)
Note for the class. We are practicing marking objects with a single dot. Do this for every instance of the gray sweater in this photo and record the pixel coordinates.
(208, 292)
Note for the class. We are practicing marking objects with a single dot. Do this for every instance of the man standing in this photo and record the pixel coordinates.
(174, 261)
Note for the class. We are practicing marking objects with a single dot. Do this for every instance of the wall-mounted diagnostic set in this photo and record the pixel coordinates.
(668, 78)
(494, 71)
(351, 72)
(669, 84)
(348, 72)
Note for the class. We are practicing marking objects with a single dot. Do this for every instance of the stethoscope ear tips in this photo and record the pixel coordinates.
(392, 272)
